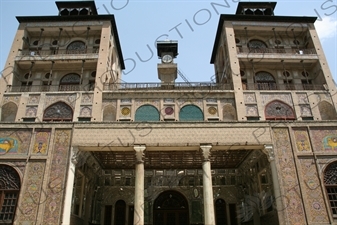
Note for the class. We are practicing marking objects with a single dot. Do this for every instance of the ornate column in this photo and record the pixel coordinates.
(207, 186)
(269, 151)
(139, 186)
(73, 160)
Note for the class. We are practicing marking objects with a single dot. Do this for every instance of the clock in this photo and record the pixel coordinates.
(166, 59)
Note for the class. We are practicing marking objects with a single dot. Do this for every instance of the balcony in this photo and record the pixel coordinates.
(50, 88)
(54, 54)
(120, 87)
(282, 87)
(163, 86)
(290, 51)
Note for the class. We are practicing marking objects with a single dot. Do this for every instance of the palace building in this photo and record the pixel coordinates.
(78, 146)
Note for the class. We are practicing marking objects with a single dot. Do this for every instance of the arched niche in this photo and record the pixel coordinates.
(8, 112)
(109, 113)
(327, 111)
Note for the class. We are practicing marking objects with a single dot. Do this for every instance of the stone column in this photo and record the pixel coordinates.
(269, 151)
(139, 186)
(207, 186)
(69, 188)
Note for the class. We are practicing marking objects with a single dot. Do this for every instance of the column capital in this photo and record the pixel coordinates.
(269, 151)
(139, 153)
(74, 154)
(206, 151)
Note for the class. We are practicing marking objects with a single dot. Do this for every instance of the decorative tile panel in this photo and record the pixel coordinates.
(85, 111)
(266, 98)
(249, 97)
(251, 110)
(302, 140)
(305, 111)
(302, 99)
(292, 202)
(41, 142)
(15, 141)
(11, 98)
(87, 98)
(324, 139)
(31, 111)
(70, 99)
(31, 194)
(56, 182)
(312, 189)
(34, 99)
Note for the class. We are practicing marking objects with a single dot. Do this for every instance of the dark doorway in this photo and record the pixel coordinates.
(120, 212)
(108, 215)
(170, 208)
(220, 212)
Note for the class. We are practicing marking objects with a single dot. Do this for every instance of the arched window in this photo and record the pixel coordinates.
(220, 212)
(147, 113)
(70, 82)
(265, 81)
(9, 193)
(191, 113)
(277, 110)
(120, 212)
(59, 111)
(330, 182)
(229, 112)
(109, 113)
(327, 111)
(170, 207)
(8, 112)
(76, 47)
(256, 46)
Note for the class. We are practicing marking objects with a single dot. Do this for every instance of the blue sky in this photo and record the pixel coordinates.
(141, 22)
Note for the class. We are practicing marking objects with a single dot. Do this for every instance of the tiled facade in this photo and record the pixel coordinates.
(79, 147)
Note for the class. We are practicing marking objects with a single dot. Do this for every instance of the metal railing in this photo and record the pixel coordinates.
(276, 51)
(274, 86)
(161, 86)
(121, 87)
(167, 86)
(38, 52)
(50, 88)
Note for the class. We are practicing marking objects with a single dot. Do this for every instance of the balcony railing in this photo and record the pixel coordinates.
(38, 52)
(273, 86)
(276, 51)
(163, 86)
(121, 87)
(50, 88)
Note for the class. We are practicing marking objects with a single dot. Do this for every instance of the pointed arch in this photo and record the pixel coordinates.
(109, 113)
(10, 185)
(147, 113)
(229, 112)
(191, 113)
(330, 183)
(59, 111)
(8, 112)
(327, 111)
(277, 110)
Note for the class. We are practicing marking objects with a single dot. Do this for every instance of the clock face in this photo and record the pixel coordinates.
(167, 59)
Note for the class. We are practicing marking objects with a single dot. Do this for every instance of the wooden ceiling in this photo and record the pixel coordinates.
(170, 159)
